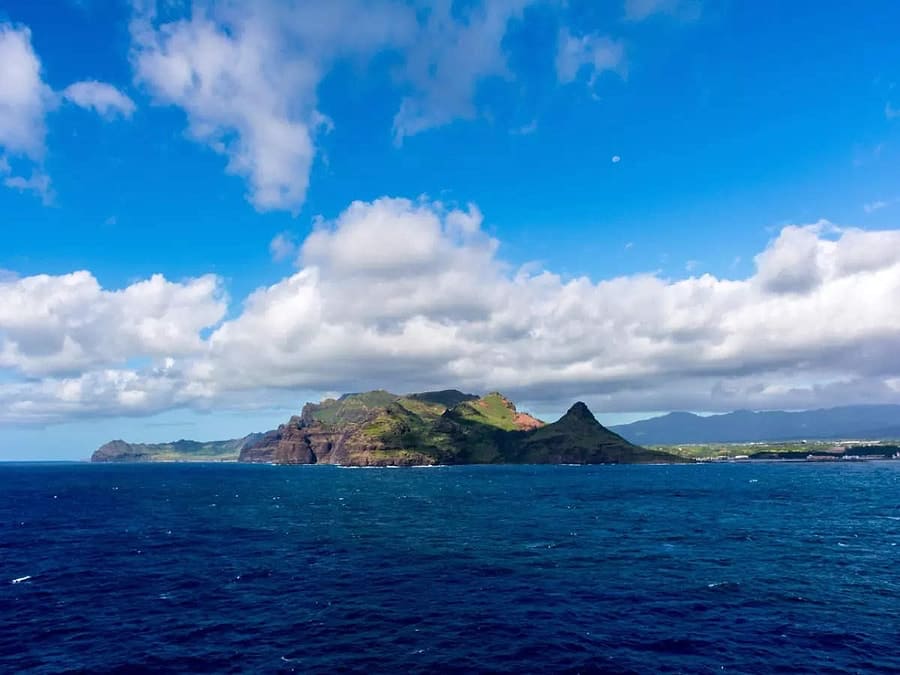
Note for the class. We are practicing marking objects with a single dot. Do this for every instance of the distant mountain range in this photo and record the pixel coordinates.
(744, 426)
(378, 428)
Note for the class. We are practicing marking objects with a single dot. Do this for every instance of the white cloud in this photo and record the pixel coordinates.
(62, 324)
(592, 53)
(247, 73)
(25, 101)
(412, 294)
(615, 159)
(792, 264)
(24, 98)
(240, 98)
(101, 97)
(282, 246)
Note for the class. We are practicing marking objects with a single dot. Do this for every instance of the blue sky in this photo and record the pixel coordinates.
(700, 152)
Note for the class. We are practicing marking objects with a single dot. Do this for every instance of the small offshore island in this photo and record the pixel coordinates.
(379, 428)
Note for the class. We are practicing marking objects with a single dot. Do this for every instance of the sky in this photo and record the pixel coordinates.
(214, 211)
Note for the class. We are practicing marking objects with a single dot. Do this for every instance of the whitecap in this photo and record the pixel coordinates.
(21, 579)
(541, 544)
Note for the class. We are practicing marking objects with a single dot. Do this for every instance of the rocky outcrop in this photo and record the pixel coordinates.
(287, 444)
(120, 451)
(304, 440)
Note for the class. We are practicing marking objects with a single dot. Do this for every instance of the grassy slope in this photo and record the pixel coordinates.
(405, 430)
(492, 410)
(446, 397)
(470, 432)
(351, 408)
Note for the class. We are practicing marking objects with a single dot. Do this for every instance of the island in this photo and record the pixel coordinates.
(378, 428)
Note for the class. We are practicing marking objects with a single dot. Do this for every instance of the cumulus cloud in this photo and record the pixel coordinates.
(792, 264)
(240, 96)
(413, 294)
(24, 98)
(52, 325)
(592, 53)
(101, 97)
(25, 101)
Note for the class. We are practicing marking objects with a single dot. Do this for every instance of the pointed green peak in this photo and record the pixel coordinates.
(580, 412)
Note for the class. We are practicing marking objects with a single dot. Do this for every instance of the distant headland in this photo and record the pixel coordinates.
(378, 428)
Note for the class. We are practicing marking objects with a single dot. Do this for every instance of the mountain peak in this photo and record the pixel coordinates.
(580, 411)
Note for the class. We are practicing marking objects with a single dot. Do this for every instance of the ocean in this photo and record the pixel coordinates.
(746, 567)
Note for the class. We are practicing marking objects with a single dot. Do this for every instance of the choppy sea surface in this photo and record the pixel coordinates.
(234, 568)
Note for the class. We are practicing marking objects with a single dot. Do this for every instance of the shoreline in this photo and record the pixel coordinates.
(77, 462)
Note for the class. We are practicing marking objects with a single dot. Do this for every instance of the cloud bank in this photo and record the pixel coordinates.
(414, 294)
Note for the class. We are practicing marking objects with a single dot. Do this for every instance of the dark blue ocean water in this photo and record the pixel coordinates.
(227, 568)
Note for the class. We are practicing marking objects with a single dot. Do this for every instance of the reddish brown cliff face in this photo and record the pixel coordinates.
(310, 442)
(288, 444)
(526, 422)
